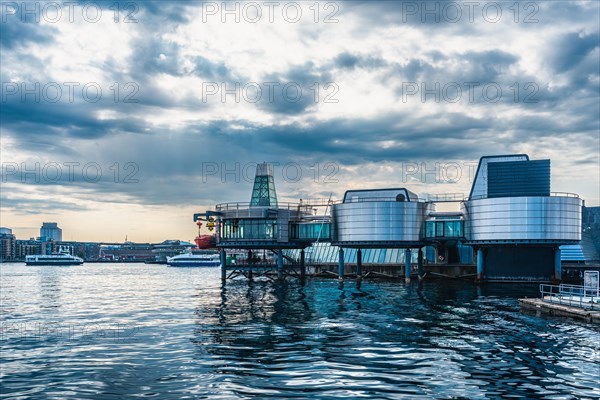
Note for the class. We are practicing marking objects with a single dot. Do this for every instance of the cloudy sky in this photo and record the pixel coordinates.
(126, 119)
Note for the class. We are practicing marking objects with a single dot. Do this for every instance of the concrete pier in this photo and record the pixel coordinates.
(557, 265)
(420, 263)
(223, 259)
(480, 265)
(302, 264)
(280, 264)
(341, 265)
(407, 256)
(359, 264)
(561, 310)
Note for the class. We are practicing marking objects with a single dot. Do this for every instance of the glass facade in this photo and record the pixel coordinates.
(325, 253)
(249, 229)
(263, 192)
(447, 229)
(314, 231)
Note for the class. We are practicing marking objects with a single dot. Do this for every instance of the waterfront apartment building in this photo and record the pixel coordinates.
(50, 231)
(7, 245)
(27, 247)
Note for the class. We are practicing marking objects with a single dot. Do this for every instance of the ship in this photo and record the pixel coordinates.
(202, 259)
(53, 259)
(206, 241)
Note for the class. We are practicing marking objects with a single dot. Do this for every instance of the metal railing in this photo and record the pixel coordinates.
(317, 202)
(563, 194)
(509, 194)
(374, 199)
(571, 295)
(445, 197)
(246, 205)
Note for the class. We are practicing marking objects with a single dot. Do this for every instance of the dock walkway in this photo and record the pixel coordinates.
(539, 305)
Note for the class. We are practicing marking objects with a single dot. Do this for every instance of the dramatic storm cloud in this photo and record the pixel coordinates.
(125, 118)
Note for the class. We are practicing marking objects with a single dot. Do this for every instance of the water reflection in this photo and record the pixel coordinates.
(452, 339)
(49, 288)
(193, 338)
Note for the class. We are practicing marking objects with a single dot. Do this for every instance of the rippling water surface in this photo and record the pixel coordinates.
(118, 330)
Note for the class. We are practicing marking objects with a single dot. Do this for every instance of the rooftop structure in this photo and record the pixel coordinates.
(263, 192)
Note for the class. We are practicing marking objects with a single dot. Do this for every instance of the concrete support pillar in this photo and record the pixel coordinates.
(359, 264)
(341, 265)
(223, 259)
(557, 265)
(280, 264)
(420, 262)
(302, 265)
(480, 264)
(407, 256)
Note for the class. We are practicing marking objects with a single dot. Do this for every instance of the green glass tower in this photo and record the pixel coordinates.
(263, 192)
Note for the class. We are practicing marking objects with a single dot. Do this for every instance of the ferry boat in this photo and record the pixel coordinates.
(194, 260)
(53, 259)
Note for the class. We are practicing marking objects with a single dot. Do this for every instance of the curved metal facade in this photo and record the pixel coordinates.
(553, 219)
(379, 221)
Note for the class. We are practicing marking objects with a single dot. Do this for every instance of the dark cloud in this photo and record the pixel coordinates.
(172, 159)
(348, 60)
(150, 11)
(293, 92)
(16, 32)
(35, 120)
(572, 48)
(211, 162)
(27, 206)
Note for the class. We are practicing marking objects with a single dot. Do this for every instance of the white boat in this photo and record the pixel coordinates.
(53, 259)
(194, 260)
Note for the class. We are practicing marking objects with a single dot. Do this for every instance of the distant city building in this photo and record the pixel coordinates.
(16, 250)
(143, 251)
(7, 245)
(170, 248)
(50, 231)
(27, 247)
(63, 248)
(89, 251)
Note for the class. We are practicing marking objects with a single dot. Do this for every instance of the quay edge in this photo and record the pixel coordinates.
(560, 310)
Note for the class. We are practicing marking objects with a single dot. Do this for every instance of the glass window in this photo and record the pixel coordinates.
(382, 253)
(428, 228)
(388, 256)
(334, 256)
(368, 255)
(351, 258)
(251, 229)
(395, 257)
(449, 229)
(439, 229)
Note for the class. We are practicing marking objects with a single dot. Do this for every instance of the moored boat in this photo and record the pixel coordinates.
(204, 259)
(53, 259)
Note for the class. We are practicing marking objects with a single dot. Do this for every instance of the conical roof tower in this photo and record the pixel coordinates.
(263, 192)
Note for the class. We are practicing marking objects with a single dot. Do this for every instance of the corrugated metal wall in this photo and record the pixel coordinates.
(519, 178)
